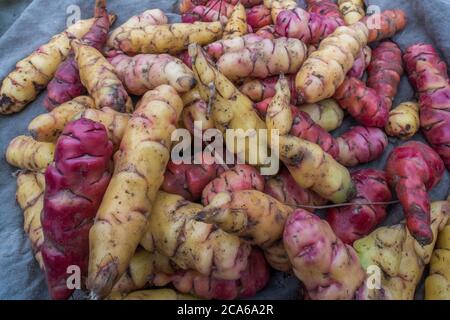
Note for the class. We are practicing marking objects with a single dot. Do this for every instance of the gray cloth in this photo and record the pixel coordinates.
(20, 277)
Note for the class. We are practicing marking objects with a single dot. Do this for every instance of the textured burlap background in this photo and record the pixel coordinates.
(20, 277)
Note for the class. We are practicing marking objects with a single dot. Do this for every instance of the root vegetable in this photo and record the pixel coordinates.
(428, 75)
(267, 32)
(325, 69)
(203, 14)
(167, 38)
(260, 89)
(364, 104)
(191, 96)
(437, 284)
(277, 6)
(385, 70)
(237, 23)
(263, 59)
(252, 215)
(197, 112)
(48, 126)
(75, 185)
(258, 17)
(193, 245)
(26, 153)
(328, 268)
(352, 10)
(115, 122)
(361, 145)
(278, 258)
(190, 180)
(30, 197)
(139, 170)
(240, 177)
(326, 114)
(413, 169)
(385, 25)
(219, 48)
(404, 121)
(145, 72)
(100, 80)
(66, 84)
(400, 257)
(353, 222)
(279, 115)
(327, 8)
(284, 188)
(33, 73)
(361, 63)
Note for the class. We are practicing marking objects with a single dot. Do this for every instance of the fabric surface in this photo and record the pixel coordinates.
(20, 277)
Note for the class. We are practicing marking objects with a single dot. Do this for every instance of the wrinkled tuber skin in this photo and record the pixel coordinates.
(361, 63)
(240, 177)
(220, 47)
(190, 180)
(255, 217)
(385, 25)
(264, 59)
(404, 121)
(66, 84)
(277, 6)
(100, 79)
(145, 72)
(329, 269)
(327, 8)
(361, 145)
(146, 18)
(252, 280)
(363, 103)
(326, 113)
(33, 73)
(428, 75)
(237, 23)
(400, 257)
(385, 70)
(311, 28)
(190, 244)
(115, 122)
(413, 169)
(48, 126)
(277, 257)
(197, 112)
(284, 188)
(267, 32)
(24, 152)
(75, 185)
(353, 222)
(203, 14)
(279, 114)
(258, 17)
(167, 38)
(30, 197)
(305, 128)
(260, 89)
(324, 70)
(352, 10)
(139, 168)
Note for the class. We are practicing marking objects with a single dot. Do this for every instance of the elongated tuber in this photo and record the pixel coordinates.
(66, 84)
(197, 112)
(277, 6)
(328, 268)
(100, 80)
(26, 153)
(237, 23)
(48, 126)
(145, 72)
(260, 89)
(30, 197)
(258, 17)
(353, 222)
(361, 63)
(139, 170)
(240, 177)
(204, 14)
(352, 10)
(361, 145)
(385, 25)
(325, 69)
(220, 47)
(399, 257)
(33, 73)
(326, 113)
(75, 185)
(428, 75)
(264, 59)
(413, 169)
(255, 217)
(404, 121)
(167, 38)
(277, 257)
(279, 115)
